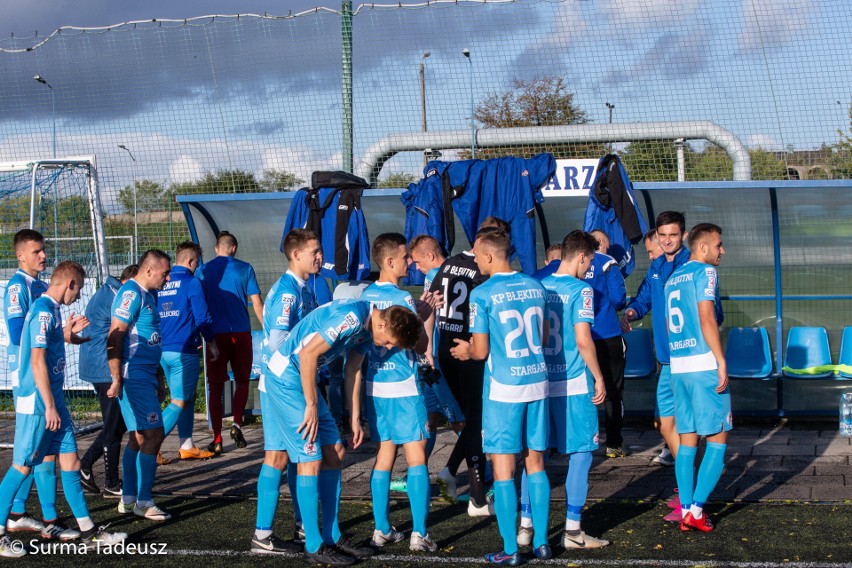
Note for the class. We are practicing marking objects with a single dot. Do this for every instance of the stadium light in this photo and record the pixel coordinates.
(40, 79)
(135, 213)
(466, 53)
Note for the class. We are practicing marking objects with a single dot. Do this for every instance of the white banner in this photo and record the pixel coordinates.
(572, 178)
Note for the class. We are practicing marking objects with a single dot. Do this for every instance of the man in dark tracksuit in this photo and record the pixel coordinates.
(610, 296)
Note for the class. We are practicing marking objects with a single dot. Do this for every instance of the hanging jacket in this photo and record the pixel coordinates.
(613, 210)
(331, 208)
(507, 188)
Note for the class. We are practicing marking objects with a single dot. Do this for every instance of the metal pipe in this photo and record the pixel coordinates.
(384, 149)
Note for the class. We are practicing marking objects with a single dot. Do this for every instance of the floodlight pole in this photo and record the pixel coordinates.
(135, 209)
(611, 107)
(466, 53)
(40, 79)
(423, 95)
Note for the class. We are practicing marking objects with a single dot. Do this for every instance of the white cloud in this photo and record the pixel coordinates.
(184, 169)
(773, 24)
(764, 142)
(659, 12)
(300, 160)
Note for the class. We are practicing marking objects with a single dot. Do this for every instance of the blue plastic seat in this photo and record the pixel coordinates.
(748, 353)
(807, 347)
(640, 360)
(846, 352)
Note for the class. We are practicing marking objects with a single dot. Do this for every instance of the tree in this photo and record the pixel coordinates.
(150, 196)
(841, 159)
(652, 160)
(713, 164)
(398, 180)
(279, 180)
(223, 181)
(544, 101)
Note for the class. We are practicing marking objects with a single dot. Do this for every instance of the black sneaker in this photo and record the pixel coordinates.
(273, 545)
(215, 447)
(237, 436)
(112, 492)
(328, 556)
(299, 534)
(87, 480)
(345, 546)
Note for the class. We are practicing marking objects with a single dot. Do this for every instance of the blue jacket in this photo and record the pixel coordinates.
(610, 295)
(547, 270)
(651, 297)
(93, 356)
(427, 212)
(183, 312)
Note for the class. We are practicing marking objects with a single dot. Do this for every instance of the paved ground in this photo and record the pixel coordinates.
(766, 461)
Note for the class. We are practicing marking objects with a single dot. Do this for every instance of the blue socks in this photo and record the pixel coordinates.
(506, 507)
(130, 482)
(380, 490)
(540, 504)
(685, 474)
(45, 480)
(12, 481)
(307, 486)
(709, 472)
(329, 492)
(147, 467)
(19, 506)
(292, 476)
(186, 421)
(430, 444)
(170, 417)
(267, 497)
(418, 497)
(526, 510)
(74, 493)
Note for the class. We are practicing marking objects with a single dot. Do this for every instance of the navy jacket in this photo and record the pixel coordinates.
(183, 312)
(93, 356)
(610, 295)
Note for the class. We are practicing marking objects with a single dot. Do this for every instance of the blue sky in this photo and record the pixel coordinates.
(259, 94)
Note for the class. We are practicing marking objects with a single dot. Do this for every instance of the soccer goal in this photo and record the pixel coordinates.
(59, 198)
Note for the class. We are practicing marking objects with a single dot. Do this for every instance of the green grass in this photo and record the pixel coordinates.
(762, 532)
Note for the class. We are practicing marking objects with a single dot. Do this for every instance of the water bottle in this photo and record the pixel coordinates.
(846, 414)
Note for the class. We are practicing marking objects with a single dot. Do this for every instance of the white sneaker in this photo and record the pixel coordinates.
(381, 539)
(665, 458)
(486, 510)
(25, 523)
(60, 532)
(582, 540)
(421, 543)
(9, 550)
(447, 485)
(525, 536)
(126, 508)
(152, 513)
(102, 538)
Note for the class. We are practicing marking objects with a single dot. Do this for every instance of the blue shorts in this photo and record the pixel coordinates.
(181, 373)
(665, 393)
(574, 420)
(439, 398)
(699, 408)
(398, 420)
(510, 427)
(139, 404)
(283, 410)
(33, 441)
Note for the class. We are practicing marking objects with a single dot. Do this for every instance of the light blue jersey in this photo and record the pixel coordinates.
(21, 291)
(137, 307)
(510, 308)
(430, 276)
(569, 301)
(391, 373)
(287, 303)
(690, 284)
(343, 324)
(42, 330)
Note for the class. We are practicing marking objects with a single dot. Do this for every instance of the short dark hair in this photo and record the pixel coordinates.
(429, 243)
(152, 255)
(129, 272)
(25, 236)
(498, 241)
(386, 244)
(296, 239)
(225, 237)
(671, 218)
(67, 270)
(497, 223)
(651, 235)
(403, 325)
(577, 242)
(698, 231)
(185, 248)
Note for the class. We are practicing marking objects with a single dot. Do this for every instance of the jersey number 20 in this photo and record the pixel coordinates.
(523, 324)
